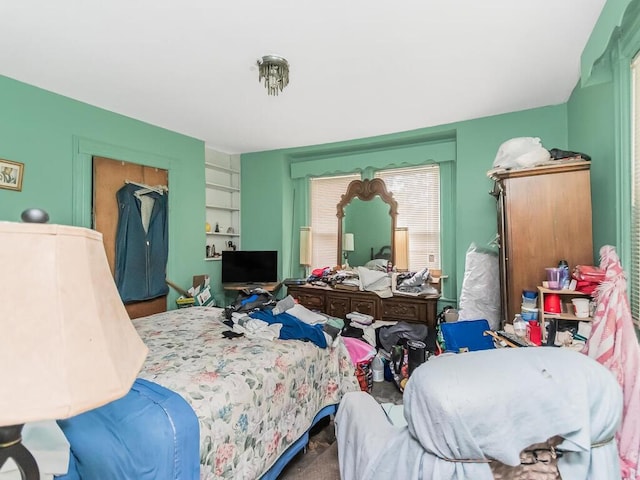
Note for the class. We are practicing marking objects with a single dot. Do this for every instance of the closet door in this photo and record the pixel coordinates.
(108, 177)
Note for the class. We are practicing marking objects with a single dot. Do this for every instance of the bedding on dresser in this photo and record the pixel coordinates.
(253, 397)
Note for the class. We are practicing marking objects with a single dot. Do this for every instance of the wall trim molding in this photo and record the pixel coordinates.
(412, 154)
(84, 149)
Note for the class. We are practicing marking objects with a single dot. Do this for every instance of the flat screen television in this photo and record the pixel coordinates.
(249, 266)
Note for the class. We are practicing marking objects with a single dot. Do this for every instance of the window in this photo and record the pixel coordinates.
(325, 196)
(417, 191)
(634, 291)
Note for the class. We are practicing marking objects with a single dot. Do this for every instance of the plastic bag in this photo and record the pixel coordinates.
(480, 295)
(521, 152)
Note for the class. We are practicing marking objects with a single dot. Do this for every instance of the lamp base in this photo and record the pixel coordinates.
(11, 447)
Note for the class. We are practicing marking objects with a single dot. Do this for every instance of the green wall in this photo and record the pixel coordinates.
(478, 143)
(599, 115)
(55, 137)
(590, 113)
(465, 151)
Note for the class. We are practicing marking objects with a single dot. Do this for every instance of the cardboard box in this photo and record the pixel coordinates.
(199, 294)
(201, 281)
(201, 291)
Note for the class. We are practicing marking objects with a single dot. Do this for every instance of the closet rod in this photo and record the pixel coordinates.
(156, 188)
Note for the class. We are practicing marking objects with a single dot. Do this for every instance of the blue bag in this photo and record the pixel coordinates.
(466, 336)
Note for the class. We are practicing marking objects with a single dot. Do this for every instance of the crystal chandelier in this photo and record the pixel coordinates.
(275, 71)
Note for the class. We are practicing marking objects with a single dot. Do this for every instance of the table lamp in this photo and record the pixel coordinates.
(347, 246)
(401, 245)
(305, 248)
(67, 344)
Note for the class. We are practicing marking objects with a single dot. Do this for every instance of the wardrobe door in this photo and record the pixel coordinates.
(108, 177)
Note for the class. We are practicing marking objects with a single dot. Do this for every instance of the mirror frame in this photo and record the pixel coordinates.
(366, 190)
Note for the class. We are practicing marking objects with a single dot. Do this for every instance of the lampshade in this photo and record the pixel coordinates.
(305, 246)
(401, 246)
(275, 72)
(347, 242)
(67, 344)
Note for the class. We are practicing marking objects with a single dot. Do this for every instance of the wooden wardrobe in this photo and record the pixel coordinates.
(544, 216)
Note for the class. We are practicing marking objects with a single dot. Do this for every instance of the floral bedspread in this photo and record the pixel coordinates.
(253, 397)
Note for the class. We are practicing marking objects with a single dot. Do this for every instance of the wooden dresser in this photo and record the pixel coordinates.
(338, 303)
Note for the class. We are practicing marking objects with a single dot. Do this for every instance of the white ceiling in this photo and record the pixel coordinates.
(358, 68)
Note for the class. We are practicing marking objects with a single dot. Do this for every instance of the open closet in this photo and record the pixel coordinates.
(109, 176)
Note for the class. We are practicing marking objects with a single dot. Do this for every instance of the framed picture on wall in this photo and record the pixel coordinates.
(11, 174)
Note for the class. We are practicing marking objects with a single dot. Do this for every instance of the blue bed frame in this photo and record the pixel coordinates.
(294, 449)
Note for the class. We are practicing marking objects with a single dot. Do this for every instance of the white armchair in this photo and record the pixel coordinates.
(466, 410)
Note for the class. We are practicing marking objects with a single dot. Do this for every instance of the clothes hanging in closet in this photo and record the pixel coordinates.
(142, 244)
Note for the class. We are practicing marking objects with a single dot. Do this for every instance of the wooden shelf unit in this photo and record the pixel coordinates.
(565, 300)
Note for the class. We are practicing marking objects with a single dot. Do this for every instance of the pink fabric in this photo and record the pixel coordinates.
(614, 344)
(359, 351)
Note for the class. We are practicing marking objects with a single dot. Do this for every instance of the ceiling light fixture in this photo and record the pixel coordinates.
(275, 71)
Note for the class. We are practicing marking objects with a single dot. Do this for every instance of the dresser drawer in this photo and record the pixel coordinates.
(338, 305)
(402, 310)
(367, 306)
(312, 302)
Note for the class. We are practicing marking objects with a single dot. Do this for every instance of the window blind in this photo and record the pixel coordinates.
(634, 274)
(325, 196)
(417, 191)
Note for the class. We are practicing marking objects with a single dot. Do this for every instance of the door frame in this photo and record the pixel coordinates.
(84, 149)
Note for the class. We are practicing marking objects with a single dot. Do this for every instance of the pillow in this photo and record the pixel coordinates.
(379, 264)
(305, 315)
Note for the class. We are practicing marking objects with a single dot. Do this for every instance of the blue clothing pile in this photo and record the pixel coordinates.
(293, 328)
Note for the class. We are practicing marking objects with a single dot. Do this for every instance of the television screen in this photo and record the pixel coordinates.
(247, 266)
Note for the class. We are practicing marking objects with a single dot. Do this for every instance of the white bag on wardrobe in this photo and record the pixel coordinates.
(521, 152)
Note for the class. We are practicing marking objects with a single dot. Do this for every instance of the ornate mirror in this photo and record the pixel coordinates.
(368, 212)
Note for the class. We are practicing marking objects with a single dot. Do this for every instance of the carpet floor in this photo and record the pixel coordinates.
(320, 460)
(324, 467)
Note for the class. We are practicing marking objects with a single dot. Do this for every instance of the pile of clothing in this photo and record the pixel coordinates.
(372, 278)
(255, 313)
(587, 278)
(415, 283)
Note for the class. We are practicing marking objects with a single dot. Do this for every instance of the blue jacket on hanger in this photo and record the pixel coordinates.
(142, 244)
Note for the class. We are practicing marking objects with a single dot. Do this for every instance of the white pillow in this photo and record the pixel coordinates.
(379, 264)
(305, 315)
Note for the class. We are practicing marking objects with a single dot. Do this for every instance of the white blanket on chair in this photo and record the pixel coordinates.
(486, 404)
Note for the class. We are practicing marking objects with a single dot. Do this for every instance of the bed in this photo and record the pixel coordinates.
(254, 399)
